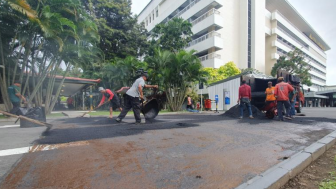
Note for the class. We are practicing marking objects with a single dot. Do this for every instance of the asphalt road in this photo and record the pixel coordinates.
(174, 151)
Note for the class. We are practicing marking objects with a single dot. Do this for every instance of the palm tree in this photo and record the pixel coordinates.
(178, 72)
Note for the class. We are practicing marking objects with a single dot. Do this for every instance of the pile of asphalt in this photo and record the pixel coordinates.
(234, 112)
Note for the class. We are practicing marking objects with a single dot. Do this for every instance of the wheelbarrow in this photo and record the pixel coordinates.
(270, 109)
(150, 109)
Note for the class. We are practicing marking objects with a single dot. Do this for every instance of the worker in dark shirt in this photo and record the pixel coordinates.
(245, 99)
(14, 92)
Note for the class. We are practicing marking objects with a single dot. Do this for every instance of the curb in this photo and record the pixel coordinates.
(279, 175)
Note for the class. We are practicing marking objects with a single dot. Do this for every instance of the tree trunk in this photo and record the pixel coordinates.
(51, 83)
(3, 85)
(59, 89)
(16, 64)
(41, 80)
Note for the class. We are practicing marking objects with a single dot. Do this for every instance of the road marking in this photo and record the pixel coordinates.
(39, 148)
(14, 151)
(9, 126)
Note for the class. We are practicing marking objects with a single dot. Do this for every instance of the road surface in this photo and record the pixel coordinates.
(174, 151)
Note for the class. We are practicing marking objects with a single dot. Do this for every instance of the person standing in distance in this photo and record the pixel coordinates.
(281, 93)
(245, 99)
(189, 105)
(14, 92)
(132, 98)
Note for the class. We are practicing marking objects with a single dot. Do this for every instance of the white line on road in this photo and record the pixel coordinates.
(40, 148)
(14, 151)
(9, 126)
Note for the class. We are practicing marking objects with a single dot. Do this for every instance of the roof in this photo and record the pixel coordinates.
(228, 79)
(326, 92)
(288, 11)
(146, 6)
(250, 73)
(78, 80)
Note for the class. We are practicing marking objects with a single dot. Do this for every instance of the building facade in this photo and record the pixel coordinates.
(251, 33)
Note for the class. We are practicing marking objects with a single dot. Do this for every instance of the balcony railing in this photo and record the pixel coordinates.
(299, 30)
(204, 16)
(209, 56)
(204, 37)
(290, 36)
(185, 9)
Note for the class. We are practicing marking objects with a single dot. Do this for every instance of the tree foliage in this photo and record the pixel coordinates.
(294, 63)
(120, 34)
(178, 72)
(38, 37)
(172, 36)
(223, 72)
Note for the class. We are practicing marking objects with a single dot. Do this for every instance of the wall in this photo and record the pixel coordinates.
(232, 86)
(258, 35)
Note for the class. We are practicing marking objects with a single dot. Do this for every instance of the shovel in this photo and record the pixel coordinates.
(27, 119)
(93, 109)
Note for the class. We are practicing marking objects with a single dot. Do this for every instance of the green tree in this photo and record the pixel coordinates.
(45, 34)
(121, 72)
(228, 70)
(294, 63)
(120, 34)
(213, 75)
(178, 72)
(172, 36)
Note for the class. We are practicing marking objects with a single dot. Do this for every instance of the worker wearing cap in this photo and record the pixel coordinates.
(132, 98)
(281, 93)
(114, 100)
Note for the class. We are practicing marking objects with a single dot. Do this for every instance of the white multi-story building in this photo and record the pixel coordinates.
(251, 33)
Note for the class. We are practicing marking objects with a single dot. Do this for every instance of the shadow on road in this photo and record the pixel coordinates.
(80, 129)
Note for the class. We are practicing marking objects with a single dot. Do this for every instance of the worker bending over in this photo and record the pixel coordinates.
(112, 97)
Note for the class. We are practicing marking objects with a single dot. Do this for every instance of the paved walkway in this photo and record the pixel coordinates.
(174, 151)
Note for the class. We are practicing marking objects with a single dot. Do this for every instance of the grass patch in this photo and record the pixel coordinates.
(329, 183)
(107, 113)
(2, 117)
(55, 115)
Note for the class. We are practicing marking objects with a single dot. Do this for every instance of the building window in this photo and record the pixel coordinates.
(249, 34)
(150, 19)
(157, 12)
(146, 22)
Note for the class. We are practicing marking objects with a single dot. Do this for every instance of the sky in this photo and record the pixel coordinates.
(320, 14)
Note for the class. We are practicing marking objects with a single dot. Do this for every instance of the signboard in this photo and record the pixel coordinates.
(216, 98)
(227, 97)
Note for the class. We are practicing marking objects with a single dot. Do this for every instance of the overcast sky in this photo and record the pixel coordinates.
(320, 14)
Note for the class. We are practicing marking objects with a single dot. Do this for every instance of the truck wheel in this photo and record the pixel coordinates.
(299, 109)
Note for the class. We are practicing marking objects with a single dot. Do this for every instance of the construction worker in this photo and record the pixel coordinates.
(112, 97)
(281, 93)
(270, 93)
(245, 99)
(132, 98)
(14, 92)
(292, 100)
